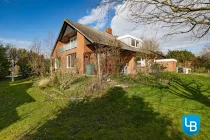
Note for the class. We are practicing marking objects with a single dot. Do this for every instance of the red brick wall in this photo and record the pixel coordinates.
(171, 65)
(81, 48)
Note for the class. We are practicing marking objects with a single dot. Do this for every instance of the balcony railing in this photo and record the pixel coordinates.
(69, 46)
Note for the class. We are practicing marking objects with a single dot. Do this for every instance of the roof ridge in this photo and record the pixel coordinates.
(88, 27)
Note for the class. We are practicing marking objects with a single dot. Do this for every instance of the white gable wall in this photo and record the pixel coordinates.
(127, 39)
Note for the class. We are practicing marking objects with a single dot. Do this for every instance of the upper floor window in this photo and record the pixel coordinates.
(135, 43)
(73, 42)
(70, 45)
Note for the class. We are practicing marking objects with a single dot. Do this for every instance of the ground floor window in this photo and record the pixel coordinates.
(57, 63)
(141, 62)
(71, 60)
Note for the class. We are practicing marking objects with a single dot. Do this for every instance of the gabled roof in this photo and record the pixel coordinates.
(95, 36)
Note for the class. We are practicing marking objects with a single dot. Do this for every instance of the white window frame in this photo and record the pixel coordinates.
(73, 42)
(67, 61)
(56, 67)
(135, 43)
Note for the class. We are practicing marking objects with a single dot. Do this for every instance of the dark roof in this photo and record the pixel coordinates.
(98, 37)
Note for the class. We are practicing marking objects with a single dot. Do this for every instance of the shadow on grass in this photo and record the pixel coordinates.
(114, 116)
(11, 97)
(190, 90)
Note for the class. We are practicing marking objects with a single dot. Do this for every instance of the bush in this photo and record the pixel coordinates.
(63, 80)
(201, 70)
(43, 83)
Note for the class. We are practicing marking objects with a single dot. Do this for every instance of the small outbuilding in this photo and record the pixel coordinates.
(169, 64)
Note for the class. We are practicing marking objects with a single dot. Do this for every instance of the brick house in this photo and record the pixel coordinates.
(76, 46)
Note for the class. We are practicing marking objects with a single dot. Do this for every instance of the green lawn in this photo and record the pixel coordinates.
(143, 111)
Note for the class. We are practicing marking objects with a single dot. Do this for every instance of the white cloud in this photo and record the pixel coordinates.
(96, 17)
(122, 26)
(17, 43)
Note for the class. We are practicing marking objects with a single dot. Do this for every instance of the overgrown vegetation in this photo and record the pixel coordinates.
(150, 108)
(82, 86)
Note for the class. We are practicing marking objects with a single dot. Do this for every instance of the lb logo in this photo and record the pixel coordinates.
(191, 124)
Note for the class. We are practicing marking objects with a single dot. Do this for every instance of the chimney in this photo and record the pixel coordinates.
(109, 31)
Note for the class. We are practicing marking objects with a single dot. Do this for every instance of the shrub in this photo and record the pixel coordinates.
(201, 70)
(63, 80)
(43, 83)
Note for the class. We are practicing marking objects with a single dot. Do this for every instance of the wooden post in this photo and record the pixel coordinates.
(99, 65)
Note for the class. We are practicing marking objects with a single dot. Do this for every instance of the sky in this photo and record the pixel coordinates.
(21, 21)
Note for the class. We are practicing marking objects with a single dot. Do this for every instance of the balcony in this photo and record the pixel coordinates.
(71, 45)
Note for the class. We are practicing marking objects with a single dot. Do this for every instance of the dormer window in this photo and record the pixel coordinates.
(133, 42)
(137, 44)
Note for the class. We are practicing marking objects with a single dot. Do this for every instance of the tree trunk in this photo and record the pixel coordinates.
(99, 73)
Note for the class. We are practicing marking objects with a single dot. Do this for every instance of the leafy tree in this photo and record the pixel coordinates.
(4, 63)
(184, 57)
(23, 62)
(203, 61)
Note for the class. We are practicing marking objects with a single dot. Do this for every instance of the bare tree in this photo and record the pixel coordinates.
(107, 54)
(99, 60)
(13, 55)
(36, 60)
(49, 41)
(182, 16)
(149, 51)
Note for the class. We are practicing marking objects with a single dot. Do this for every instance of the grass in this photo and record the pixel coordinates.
(150, 110)
(23, 108)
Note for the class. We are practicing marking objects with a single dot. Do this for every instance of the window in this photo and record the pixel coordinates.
(71, 60)
(70, 45)
(137, 44)
(141, 62)
(133, 42)
(73, 42)
(57, 63)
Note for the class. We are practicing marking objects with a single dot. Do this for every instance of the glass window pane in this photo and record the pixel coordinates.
(133, 42)
(69, 61)
(137, 44)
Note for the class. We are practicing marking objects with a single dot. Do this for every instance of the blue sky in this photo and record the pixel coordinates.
(24, 20)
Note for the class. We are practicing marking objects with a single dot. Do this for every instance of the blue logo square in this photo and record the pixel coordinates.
(191, 124)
